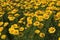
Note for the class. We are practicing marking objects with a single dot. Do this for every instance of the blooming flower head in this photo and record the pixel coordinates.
(1, 29)
(59, 24)
(37, 31)
(36, 23)
(3, 36)
(58, 38)
(1, 23)
(11, 18)
(51, 30)
(42, 35)
(5, 24)
(21, 29)
(16, 32)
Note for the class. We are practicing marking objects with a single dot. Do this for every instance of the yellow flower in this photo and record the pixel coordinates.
(11, 7)
(51, 30)
(48, 12)
(1, 23)
(11, 30)
(17, 15)
(42, 35)
(4, 4)
(58, 3)
(14, 4)
(27, 13)
(39, 18)
(35, 6)
(3, 36)
(36, 23)
(38, 2)
(18, 5)
(1, 29)
(51, 8)
(58, 14)
(29, 20)
(56, 17)
(1, 15)
(16, 32)
(14, 11)
(45, 16)
(37, 13)
(14, 26)
(5, 24)
(52, 4)
(28, 25)
(11, 18)
(37, 31)
(32, 14)
(43, 5)
(1, 8)
(59, 24)
(20, 21)
(58, 38)
(8, 8)
(41, 25)
(43, 1)
(21, 29)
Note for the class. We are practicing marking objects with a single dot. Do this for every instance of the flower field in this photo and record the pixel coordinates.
(29, 19)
